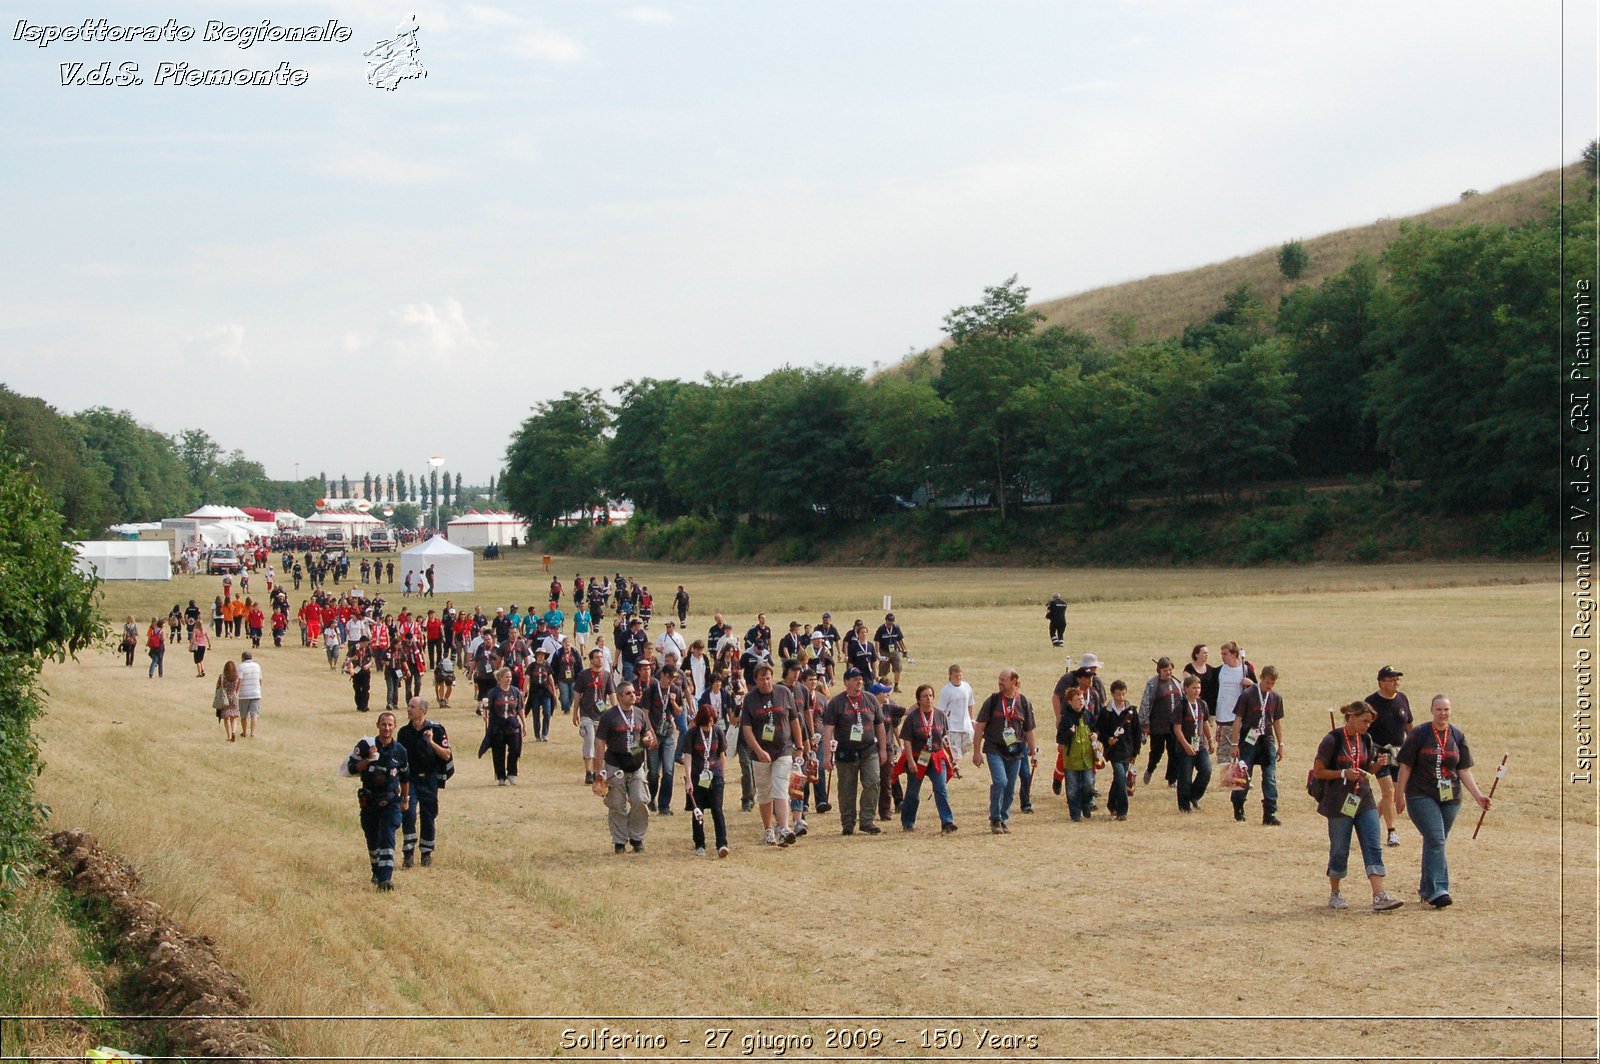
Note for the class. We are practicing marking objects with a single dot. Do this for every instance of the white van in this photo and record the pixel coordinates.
(381, 541)
(335, 539)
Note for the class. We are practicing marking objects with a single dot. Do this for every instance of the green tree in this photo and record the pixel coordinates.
(456, 495)
(200, 455)
(52, 449)
(1292, 260)
(986, 373)
(1463, 364)
(556, 460)
(148, 478)
(406, 515)
(906, 426)
(47, 610)
(366, 486)
(634, 457)
(1329, 330)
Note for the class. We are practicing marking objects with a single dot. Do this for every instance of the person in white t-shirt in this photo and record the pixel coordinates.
(1233, 677)
(249, 695)
(955, 702)
(670, 642)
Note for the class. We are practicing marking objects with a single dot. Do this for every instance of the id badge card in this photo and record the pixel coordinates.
(857, 732)
(1009, 737)
(1352, 802)
(1447, 790)
(769, 732)
(924, 758)
(705, 779)
(633, 742)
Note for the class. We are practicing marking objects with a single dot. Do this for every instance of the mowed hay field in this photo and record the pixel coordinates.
(528, 913)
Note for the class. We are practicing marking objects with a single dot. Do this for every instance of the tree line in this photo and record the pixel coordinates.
(101, 467)
(1434, 364)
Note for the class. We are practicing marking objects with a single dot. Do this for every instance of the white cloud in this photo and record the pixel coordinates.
(653, 16)
(483, 15)
(548, 44)
(437, 334)
(225, 342)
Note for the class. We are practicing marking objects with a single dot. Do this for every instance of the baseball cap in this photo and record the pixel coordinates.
(1389, 672)
(879, 689)
(853, 674)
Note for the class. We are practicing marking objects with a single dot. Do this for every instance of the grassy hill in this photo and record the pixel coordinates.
(1164, 304)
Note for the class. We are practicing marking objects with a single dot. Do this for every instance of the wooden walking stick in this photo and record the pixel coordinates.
(1499, 774)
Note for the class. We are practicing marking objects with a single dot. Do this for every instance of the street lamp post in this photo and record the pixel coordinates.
(433, 487)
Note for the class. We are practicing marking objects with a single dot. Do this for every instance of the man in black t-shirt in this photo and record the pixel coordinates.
(624, 733)
(1388, 733)
(428, 755)
(853, 739)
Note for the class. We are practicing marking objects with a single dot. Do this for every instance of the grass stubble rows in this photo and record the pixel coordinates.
(527, 912)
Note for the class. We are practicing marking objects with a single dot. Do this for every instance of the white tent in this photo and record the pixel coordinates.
(474, 529)
(452, 566)
(289, 519)
(225, 534)
(353, 523)
(210, 514)
(124, 559)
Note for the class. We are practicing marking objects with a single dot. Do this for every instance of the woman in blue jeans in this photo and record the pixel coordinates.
(926, 755)
(1006, 724)
(1344, 757)
(1435, 765)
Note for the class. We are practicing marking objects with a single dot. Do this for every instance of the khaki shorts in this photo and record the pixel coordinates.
(893, 661)
(586, 728)
(772, 779)
(250, 707)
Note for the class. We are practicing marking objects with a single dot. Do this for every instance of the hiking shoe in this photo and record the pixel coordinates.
(823, 807)
(946, 829)
(1383, 901)
(786, 838)
(1146, 776)
(511, 780)
(408, 861)
(848, 831)
(1271, 820)
(871, 829)
(746, 806)
(1238, 813)
(800, 827)
(1441, 902)
(1195, 806)
(1027, 809)
(618, 847)
(770, 838)
(638, 845)
(1119, 817)
(427, 858)
(588, 778)
(722, 851)
(994, 827)
(1336, 901)
(699, 851)
(1394, 837)
(1005, 828)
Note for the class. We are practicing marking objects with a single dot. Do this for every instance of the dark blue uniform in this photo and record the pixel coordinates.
(427, 776)
(380, 804)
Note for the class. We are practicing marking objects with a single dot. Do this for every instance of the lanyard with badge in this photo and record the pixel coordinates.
(707, 738)
(1194, 717)
(1266, 714)
(769, 723)
(858, 730)
(1008, 714)
(635, 729)
(1446, 778)
(1352, 801)
(926, 757)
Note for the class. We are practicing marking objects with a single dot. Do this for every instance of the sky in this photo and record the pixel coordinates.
(344, 278)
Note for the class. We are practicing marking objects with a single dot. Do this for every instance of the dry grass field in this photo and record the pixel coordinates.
(528, 914)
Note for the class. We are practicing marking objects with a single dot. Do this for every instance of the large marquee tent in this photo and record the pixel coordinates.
(452, 566)
(124, 559)
(474, 529)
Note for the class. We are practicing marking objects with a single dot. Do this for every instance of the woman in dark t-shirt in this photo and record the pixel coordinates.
(1344, 757)
(1435, 765)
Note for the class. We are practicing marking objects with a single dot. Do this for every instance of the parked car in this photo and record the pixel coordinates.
(222, 560)
(381, 541)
